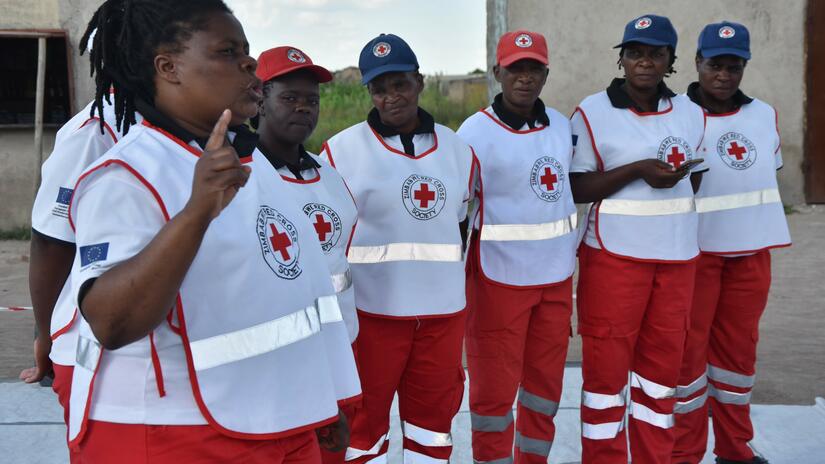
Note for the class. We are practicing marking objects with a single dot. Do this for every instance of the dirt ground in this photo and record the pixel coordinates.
(791, 367)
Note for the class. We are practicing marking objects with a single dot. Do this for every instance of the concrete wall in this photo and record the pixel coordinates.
(17, 158)
(581, 35)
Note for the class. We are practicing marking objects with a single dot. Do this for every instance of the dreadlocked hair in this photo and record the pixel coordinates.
(122, 39)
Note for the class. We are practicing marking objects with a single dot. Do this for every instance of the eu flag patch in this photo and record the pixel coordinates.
(64, 195)
(92, 253)
(575, 139)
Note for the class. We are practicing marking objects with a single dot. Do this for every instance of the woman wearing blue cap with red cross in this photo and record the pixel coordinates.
(740, 219)
(636, 143)
(411, 179)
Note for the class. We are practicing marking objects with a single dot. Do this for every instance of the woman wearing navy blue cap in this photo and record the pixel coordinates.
(411, 179)
(636, 143)
(740, 218)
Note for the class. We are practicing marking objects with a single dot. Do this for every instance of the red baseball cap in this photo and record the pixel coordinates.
(284, 60)
(519, 45)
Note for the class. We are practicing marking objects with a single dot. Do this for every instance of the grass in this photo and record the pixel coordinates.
(17, 233)
(344, 104)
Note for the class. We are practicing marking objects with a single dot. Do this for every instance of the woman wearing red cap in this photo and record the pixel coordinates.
(287, 116)
(740, 219)
(411, 181)
(519, 276)
(636, 143)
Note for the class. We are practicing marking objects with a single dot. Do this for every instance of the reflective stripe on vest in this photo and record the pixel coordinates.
(545, 231)
(645, 414)
(426, 437)
(730, 378)
(737, 200)
(88, 353)
(602, 401)
(404, 252)
(684, 407)
(651, 388)
(481, 423)
(263, 338)
(533, 445)
(647, 207)
(729, 397)
(604, 431)
(355, 453)
(343, 281)
(536, 403)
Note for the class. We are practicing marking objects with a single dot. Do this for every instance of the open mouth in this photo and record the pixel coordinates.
(256, 90)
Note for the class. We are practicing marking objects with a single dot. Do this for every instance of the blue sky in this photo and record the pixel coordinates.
(448, 36)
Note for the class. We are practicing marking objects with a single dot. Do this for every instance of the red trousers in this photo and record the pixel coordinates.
(107, 442)
(62, 385)
(421, 360)
(328, 457)
(516, 343)
(720, 357)
(633, 322)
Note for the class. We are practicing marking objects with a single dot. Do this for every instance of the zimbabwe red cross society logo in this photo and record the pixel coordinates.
(524, 41)
(736, 150)
(423, 196)
(726, 32)
(381, 49)
(327, 224)
(643, 23)
(279, 243)
(296, 56)
(675, 151)
(547, 178)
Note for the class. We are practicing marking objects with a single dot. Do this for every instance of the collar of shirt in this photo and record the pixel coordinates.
(305, 161)
(620, 99)
(515, 121)
(739, 98)
(244, 142)
(426, 125)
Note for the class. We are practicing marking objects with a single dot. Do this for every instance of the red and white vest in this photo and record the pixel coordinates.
(406, 254)
(640, 222)
(251, 311)
(527, 216)
(738, 202)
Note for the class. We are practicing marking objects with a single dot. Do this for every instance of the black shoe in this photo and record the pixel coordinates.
(755, 460)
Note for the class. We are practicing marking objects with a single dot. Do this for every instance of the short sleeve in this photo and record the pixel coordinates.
(70, 157)
(115, 217)
(584, 156)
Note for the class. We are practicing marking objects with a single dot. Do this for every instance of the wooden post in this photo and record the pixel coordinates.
(38, 110)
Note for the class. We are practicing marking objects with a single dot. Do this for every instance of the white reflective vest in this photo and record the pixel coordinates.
(252, 307)
(406, 254)
(640, 222)
(326, 201)
(740, 210)
(527, 218)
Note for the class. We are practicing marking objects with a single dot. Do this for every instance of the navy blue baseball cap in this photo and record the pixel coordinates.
(650, 30)
(725, 38)
(383, 54)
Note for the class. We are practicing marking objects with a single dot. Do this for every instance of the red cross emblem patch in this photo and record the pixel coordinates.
(423, 196)
(327, 224)
(736, 151)
(296, 56)
(279, 243)
(381, 49)
(726, 32)
(547, 178)
(675, 151)
(643, 23)
(524, 41)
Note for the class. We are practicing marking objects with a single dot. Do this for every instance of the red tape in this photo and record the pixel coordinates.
(14, 309)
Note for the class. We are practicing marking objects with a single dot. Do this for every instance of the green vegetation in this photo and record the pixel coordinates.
(789, 209)
(17, 233)
(344, 104)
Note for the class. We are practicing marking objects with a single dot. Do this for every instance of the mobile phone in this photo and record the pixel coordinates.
(690, 164)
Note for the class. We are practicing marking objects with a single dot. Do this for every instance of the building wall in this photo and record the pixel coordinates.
(581, 35)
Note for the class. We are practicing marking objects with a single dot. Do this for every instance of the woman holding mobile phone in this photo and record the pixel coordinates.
(635, 144)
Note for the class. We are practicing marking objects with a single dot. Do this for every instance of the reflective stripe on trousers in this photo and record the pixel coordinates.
(544, 231)
(536, 403)
(647, 207)
(404, 252)
(737, 200)
(533, 445)
(645, 414)
(481, 423)
(604, 431)
(265, 337)
(730, 378)
(684, 391)
(426, 437)
(355, 453)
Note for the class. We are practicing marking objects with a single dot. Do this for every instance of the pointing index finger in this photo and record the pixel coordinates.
(218, 135)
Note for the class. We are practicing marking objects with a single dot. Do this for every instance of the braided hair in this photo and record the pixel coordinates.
(125, 36)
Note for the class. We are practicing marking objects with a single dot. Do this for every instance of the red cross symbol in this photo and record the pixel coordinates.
(424, 195)
(280, 242)
(549, 179)
(523, 40)
(675, 157)
(381, 49)
(737, 151)
(644, 23)
(726, 32)
(295, 56)
(322, 227)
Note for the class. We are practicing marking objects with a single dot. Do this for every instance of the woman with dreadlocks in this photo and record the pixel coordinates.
(635, 144)
(200, 283)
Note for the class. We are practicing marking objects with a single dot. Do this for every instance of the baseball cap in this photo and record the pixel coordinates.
(284, 60)
(520, 45)
(650, 30)
(725, 38)
(383, 54)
